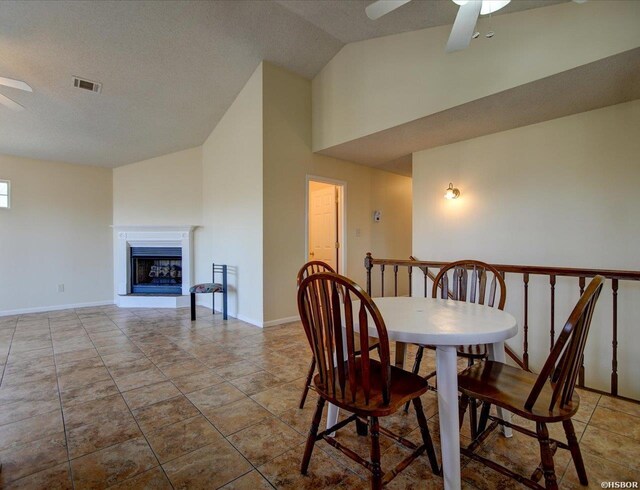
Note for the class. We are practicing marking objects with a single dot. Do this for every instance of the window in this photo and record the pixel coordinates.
(4, 193)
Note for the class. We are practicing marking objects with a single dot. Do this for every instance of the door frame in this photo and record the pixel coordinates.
(342, 223)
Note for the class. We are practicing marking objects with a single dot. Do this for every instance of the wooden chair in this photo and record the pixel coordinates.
(469, 282)
(548, 397)
(306, 270)
(366, 388)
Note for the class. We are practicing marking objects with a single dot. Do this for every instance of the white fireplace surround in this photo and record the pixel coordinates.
(151, 236)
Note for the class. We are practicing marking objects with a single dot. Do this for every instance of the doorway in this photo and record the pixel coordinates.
(325, 222)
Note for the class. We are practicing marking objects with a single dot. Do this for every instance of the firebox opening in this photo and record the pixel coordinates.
(156, 270)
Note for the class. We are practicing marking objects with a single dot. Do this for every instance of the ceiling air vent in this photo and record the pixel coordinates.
(85, 84)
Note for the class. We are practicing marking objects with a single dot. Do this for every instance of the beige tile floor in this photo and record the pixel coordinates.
(108, 397)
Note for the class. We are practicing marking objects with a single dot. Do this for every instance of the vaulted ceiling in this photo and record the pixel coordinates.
(169, 69)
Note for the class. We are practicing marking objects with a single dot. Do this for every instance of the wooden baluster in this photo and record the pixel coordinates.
(426, 280)
(581, 283)
(368, 265)
(614, 343)
(395, 280)
(525, 354)
(410, 280)
(552, 282)
(382, 280)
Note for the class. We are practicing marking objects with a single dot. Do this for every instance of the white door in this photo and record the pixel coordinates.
(323, 223)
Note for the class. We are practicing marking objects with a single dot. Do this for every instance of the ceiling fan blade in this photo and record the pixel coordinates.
(6, 101)
(383, 7)
(464, 25)
(19, 84)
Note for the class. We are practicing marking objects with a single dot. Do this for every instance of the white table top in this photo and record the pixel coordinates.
(443, 322)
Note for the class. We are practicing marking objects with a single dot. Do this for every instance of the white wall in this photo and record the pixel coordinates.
(381, 83)
(56, 232)
(287, 162)
(559, 193)
(232, 193)
(166, 190)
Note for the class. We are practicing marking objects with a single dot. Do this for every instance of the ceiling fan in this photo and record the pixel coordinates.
(20, 85)
(463, 29)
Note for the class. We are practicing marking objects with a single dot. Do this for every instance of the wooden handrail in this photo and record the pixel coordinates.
(519, 269)
(615, 276)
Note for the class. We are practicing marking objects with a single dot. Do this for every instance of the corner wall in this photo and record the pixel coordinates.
(232, 198)
(56, 232)
(288, 160)
(559, 193)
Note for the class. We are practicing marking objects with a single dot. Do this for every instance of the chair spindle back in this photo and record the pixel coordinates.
(471, 289)
(563, 364)
(313, 267)
(329, 306)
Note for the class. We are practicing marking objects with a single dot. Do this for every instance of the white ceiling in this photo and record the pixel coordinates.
(170, 69)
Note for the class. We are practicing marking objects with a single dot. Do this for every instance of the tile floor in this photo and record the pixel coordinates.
(108, 397)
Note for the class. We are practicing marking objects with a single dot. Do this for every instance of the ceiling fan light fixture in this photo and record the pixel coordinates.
(491, 6)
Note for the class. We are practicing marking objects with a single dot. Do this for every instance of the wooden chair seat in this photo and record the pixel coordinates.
(509, 387)
(405, 386)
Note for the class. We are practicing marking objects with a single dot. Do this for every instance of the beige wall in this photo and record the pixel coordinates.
(380, 83)
(56, 232)
(166, 190)
(232, 193)
(559, 193)
(288, 161)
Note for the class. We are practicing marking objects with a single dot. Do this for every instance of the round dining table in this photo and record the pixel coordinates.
(444, 324)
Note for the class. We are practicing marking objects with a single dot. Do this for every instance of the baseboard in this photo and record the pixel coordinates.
(253, 322)
(40, 309)
(205, 301)
(281, 321)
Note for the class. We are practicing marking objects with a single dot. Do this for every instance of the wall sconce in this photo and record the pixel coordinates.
(452, 192)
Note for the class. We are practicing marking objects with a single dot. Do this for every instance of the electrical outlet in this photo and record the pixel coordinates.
(61, 288)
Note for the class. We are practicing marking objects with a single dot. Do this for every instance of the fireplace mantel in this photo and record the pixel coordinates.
(151, 236)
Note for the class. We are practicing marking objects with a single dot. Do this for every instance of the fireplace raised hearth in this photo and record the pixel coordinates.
(156, 270)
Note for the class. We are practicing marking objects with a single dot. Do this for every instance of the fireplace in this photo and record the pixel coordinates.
(153, 266)
(156, 270)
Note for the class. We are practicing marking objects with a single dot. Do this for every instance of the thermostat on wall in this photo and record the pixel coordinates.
(377, 216)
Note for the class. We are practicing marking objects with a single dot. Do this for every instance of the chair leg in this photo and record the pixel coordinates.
(224, 292)
(426, 437)
(311, 439)
(575, 451)
(376, 469)
(462, 408)
(416, 368)
(484, 417)
(305, 391)
(193, 306)
(224, 304)
(473, 417)
(547, 456)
